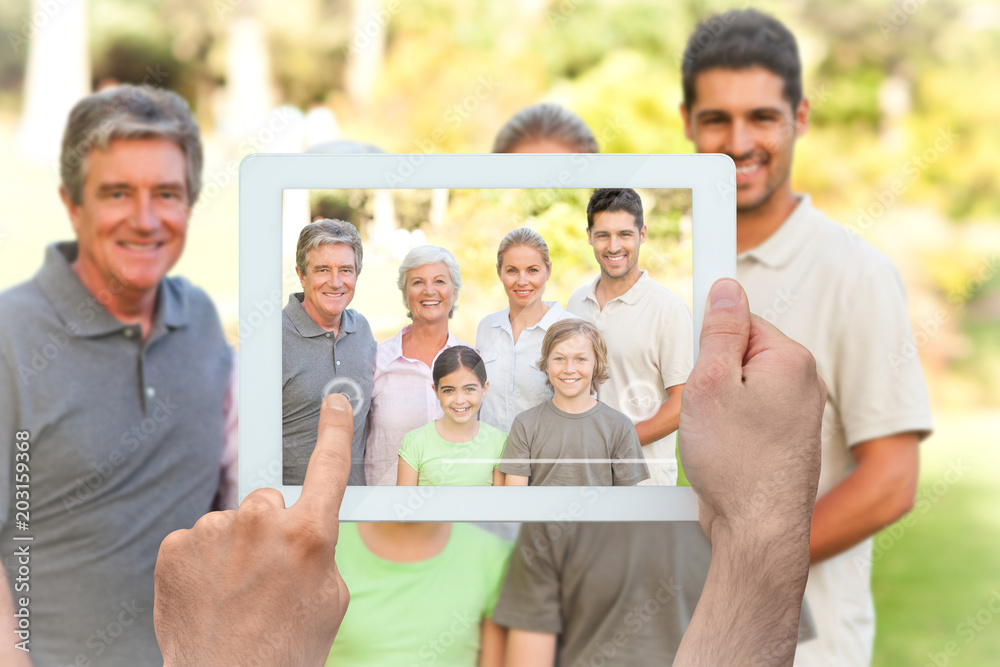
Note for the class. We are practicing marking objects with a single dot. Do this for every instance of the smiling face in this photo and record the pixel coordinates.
(523, 274)
(132, 219)
(570, 367)
(328, 284)
(430, 292)
(616, 241)
(744, 114)
(461, 395)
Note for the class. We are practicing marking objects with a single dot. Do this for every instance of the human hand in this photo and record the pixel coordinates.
(259, 585)
(750, 422)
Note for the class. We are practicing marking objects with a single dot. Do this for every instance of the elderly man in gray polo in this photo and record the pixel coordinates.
(112, 386)
(325, 346)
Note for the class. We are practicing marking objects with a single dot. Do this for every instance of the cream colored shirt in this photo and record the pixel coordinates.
(843, 300)
(648, 331)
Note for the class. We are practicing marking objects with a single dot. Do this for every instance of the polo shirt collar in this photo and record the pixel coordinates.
(74, 303)
(787, 240)
(394, 346)
(307, 327)
(632, 296)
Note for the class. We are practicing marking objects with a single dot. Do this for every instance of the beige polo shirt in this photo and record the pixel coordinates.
(648, 331)
(831, 291)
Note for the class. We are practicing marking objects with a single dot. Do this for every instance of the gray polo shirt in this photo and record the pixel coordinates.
(311, 361)
(125, 441)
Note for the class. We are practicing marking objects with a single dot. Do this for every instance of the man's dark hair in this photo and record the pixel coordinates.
(614, 199)
(740, 39)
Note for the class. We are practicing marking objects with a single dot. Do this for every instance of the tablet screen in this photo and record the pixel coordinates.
(464, 205)
(433, 431)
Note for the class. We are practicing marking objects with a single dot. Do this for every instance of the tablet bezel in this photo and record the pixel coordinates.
(263, 178)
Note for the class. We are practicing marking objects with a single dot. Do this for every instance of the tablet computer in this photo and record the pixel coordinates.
(481, 198)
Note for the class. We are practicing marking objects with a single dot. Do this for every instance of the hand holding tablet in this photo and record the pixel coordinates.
(259, 585)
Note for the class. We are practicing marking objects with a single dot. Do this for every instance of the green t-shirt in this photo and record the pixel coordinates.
(442, 463)
(423, 613)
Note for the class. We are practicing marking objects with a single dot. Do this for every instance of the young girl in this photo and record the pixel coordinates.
(573, 439)
(457, 449)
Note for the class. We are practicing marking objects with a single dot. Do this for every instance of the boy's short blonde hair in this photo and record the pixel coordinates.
(564, 329)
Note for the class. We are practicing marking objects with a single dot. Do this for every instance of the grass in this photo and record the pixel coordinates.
(945, 567)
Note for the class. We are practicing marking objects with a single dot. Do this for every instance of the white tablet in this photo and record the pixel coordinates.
(279, 194)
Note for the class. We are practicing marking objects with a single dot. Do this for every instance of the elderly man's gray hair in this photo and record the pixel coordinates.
(327, 232)
(422, 256)
(128, 112)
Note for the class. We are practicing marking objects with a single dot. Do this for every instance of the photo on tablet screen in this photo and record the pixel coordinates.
(394, 298)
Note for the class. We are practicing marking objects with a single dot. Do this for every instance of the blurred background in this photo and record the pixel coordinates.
(901, 149)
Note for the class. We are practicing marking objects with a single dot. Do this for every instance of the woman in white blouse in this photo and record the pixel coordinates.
(510, 341)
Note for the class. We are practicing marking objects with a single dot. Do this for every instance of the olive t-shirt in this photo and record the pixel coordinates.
(598, 447)
(615, 593)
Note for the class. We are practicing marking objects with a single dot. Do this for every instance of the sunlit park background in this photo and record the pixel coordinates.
(902, 149)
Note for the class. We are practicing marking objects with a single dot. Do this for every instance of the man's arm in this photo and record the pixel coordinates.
(879, 491)
(491, 644)
(515, 480)
(530, 649)
(664, 421)
(750, 440)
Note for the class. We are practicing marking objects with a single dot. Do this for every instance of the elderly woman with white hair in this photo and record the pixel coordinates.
(402, 396)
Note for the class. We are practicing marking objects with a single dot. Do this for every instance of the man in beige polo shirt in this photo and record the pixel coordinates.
(647, 328)
(828, 290)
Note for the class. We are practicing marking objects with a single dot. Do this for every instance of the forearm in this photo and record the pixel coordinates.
(848, 514)
(753, 593)
(664, 421)
(879, 491)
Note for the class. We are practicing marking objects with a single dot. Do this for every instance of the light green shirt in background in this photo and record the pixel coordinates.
(442, 463)
(423, 613)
